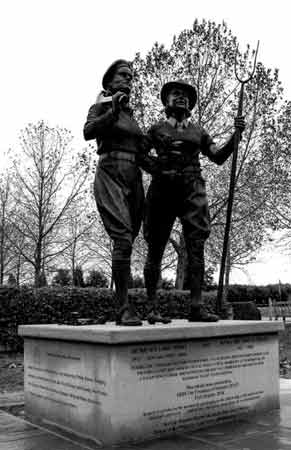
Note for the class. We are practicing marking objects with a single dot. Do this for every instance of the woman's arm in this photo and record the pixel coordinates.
(220, 155)
(146, 161)
(100, 118)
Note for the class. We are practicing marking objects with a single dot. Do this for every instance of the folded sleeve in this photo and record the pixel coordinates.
(215, 154)
(100, 118)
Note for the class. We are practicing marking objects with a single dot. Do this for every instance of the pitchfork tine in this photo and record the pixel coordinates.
(254, 66)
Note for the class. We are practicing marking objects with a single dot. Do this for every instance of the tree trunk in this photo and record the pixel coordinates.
(37, 267)
(37, 277)
(18, 267)
(73, 261)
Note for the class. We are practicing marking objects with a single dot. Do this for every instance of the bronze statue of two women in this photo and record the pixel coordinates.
(177, 189)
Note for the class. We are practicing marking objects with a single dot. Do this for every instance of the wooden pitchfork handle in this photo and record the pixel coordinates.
(237, 136)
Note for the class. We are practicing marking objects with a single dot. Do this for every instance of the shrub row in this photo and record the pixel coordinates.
(259, 294)
(56, 305)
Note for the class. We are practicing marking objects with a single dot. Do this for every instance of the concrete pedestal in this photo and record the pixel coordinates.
(116, 384)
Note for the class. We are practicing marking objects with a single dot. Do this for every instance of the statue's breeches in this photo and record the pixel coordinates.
(119, 196)
(184, 198)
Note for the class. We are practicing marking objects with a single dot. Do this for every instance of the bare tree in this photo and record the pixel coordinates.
(75, 233)
(7, 256)
(48, 179)
(99, 247)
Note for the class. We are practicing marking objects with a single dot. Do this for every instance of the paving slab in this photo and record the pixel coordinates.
(267, 441)
(17, 434)
(227, 433)
(175, 443)
(11, 399)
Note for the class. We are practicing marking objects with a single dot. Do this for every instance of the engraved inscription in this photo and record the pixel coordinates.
(207, 386)
(64, 387)
(152, 362)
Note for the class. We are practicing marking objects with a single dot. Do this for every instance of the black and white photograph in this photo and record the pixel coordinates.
(145, 225)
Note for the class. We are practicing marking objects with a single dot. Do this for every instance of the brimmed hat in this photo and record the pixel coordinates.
(107, 77)
(192, 94)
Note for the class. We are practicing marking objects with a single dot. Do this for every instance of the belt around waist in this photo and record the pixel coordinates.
(126, 156)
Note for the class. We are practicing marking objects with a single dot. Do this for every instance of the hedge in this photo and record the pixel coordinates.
(259, 294)
(56, 305)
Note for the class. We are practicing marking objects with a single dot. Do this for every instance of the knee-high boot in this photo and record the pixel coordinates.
(151, 277)
(198, 311)
(127, 314)
(121, 271)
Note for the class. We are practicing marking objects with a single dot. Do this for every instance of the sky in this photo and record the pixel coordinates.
(272, 264)
(54, 52)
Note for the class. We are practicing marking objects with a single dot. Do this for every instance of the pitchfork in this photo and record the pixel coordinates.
(243, 82)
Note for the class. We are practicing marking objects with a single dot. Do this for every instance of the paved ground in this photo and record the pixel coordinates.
(270, 431)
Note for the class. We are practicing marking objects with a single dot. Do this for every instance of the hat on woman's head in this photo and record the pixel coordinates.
(107, 77)
(181, 84)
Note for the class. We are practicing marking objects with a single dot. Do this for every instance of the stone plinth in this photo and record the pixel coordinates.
(114, 384)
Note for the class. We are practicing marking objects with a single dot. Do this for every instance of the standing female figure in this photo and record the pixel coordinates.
(118, 185)
(178, 190)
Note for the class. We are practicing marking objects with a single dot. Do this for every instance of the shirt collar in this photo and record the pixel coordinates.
(175, 124)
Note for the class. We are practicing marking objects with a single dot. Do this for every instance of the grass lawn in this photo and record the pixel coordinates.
(11, 372)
